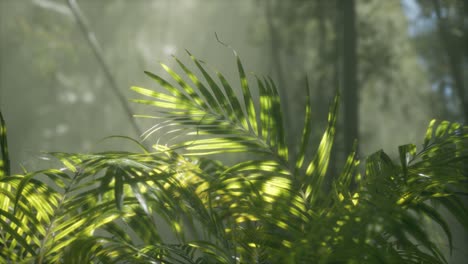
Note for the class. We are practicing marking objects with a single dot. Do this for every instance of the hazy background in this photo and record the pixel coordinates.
(411, 65)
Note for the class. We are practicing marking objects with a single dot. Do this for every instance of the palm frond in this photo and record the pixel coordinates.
(5, 160)
(216, 116)
(174, 205)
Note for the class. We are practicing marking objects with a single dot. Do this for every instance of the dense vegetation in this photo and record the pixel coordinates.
(171, 203)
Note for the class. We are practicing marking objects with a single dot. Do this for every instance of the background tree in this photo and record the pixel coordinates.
(440, 34)
(309, 34)
(350, 81)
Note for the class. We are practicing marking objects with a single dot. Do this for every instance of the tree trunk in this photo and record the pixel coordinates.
(277, 64)
(454, 59)
(349, 84)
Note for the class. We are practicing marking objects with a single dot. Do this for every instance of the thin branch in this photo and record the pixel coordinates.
(53, 6)
(94, 44)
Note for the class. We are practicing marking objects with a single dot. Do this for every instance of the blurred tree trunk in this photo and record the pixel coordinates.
(454, 60)
(276, 54)
(277, 64)
(322, 38)
(465, 29)
(349, 74)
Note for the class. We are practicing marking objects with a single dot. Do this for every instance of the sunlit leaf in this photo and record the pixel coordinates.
(317, 168)
(306, 130)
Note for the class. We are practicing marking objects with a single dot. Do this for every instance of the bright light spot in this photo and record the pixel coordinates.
(50, 5)
(69, 97)
(61, 129)
(169, 49)
(88, 97)
(340, 223)
(378, 228)
(47, 133)
(355, 199)
(341, 197)
(177, 227)
(286, 243)
(188, 4)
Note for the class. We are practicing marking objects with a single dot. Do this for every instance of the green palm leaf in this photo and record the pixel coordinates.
(174, 205)
(5, 160)
(218, 114)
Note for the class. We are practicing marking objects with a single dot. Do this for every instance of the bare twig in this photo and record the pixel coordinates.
(94, 44)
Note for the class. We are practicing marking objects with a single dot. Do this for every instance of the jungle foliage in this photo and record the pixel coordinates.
(173, 204)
